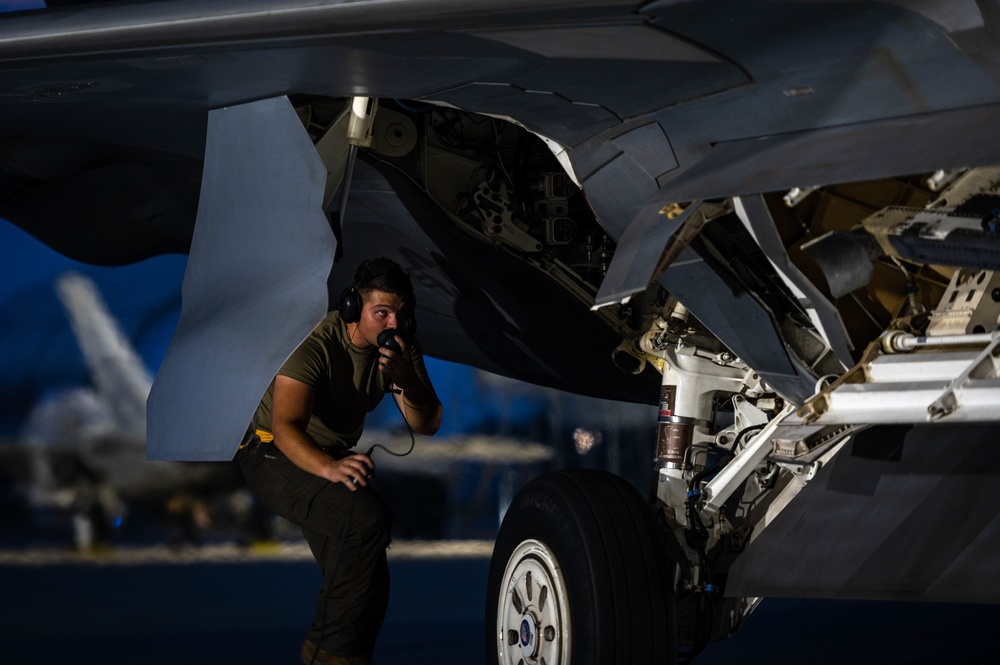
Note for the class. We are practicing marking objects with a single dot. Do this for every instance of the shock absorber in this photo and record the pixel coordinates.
(673, 433)
(691, 379)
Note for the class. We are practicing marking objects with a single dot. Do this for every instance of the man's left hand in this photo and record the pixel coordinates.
(397, 367)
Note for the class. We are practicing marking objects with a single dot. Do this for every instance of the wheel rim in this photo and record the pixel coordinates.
(533, 609)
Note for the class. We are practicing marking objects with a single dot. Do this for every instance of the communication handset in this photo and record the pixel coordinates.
(387, 340)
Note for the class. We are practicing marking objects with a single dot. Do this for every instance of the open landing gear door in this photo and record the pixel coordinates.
(255, 284)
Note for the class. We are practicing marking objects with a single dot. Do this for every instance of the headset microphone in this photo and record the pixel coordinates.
(387, 340)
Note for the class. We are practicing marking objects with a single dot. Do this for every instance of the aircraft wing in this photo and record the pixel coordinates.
(105, 109)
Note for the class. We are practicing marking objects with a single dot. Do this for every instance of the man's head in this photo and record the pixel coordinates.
(381, 297)
(382, 274)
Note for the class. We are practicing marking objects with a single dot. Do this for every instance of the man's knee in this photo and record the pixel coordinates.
(372, 518)
(369, 518)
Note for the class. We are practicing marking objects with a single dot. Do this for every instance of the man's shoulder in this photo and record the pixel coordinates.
(325, 338)
(330, 329)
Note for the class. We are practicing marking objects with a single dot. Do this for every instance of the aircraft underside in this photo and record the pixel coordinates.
(868, 352)
(780, 221)
(881, 304)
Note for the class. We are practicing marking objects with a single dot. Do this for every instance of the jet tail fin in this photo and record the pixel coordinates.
(118, 373)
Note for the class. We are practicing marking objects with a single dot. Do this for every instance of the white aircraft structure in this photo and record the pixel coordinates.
(777, 220)
(86, 447)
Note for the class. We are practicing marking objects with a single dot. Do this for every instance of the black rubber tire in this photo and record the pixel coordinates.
(617, 574)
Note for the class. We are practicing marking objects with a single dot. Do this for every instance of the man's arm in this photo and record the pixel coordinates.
(416, 400)
(292, 406)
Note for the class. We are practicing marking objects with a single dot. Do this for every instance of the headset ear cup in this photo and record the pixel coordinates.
(350, 305)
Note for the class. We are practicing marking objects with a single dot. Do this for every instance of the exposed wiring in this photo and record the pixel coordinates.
(450, 131)
(752, 429)
(916, 307)
(696, 535)
(497, 133)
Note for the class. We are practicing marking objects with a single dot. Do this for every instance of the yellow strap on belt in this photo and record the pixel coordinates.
(263, 435)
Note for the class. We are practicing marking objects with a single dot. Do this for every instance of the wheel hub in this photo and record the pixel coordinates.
(529, 635)
(533, 611)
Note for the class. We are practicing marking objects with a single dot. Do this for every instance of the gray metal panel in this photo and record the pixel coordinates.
(878, 61)
(738, 319)
(899, 514)
(146, 24)
(560, 118)
(782, 161)
(618, 192)
(255, 284)
(649, 147)
(638, 252)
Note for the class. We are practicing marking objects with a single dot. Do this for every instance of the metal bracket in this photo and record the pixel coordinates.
(968, 305)
(804, 444)
(804, 472)
(497, 215)
(820, 403)
(984, 367)
(720, 488)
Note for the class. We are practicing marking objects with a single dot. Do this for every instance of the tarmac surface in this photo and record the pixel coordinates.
(226, 604)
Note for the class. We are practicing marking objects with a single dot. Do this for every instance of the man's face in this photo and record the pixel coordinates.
(378, 312)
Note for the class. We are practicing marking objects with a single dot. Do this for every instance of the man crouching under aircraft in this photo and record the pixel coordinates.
(300, 461)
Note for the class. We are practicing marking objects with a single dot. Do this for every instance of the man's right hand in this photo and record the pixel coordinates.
(293, 401)
(353, 471)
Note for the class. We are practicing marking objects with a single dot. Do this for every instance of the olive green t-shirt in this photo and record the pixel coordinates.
(345, 380)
